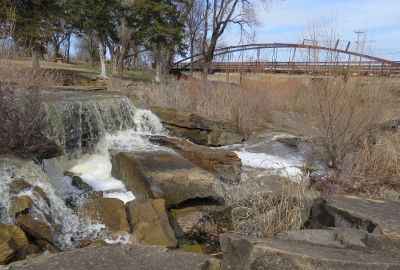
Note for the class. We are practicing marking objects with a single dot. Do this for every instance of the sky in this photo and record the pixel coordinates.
(287, 21)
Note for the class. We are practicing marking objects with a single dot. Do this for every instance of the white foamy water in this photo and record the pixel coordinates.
(282, 166)
(95, 169)
(72, 227)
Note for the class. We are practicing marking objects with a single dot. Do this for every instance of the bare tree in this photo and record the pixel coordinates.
(194, 24)
(218, 14)
(88, 48)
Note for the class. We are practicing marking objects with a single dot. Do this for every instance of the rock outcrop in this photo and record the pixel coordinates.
(241, 252)
(36, 226)
(150, 224)
(196, 128)
(124, 257)
(163, 174)
(13, 243)
(379, 219)
(205, 218)
(107, 211)
(223, 163)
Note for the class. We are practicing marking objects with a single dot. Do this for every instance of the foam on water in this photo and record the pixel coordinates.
(72, 227)
(282, 166)
(95, 169)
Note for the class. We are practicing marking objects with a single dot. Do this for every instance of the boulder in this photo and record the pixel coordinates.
(196, 128)
(80, 184)
(40, 192)
(223, 163)
(192, 248)
(241, 252)
(204, 218)
(150, 223)
(17, 241)
(107, 211)
(380, 219)
(75, 200)
(122, 257)
(19, 205)
(35, 226)
(7, 250)
(163, 174)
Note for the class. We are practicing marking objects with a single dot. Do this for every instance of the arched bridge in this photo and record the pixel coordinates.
(292, 58)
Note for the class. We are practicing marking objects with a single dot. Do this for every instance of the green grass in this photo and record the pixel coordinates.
(140, 74)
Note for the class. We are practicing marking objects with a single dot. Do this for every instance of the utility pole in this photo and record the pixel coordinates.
(359, 47)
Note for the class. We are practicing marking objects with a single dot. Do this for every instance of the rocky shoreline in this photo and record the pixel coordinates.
(174, 216)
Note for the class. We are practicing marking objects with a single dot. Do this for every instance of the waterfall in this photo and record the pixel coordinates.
(78, 124)
(86, 126)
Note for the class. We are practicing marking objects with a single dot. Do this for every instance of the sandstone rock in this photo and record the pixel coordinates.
(110, 212)
(162, 174)
(18, 185)
(80, 184)
(47, 246)
(192, 219)
(123, 257)
(150, 223)
(36, 227)
(378, 218)
(40, 192)
(318, 237)
(75, 200)
(19, 205)
(224, 163)
(18, 241)
(331, 237)
(6, 250)
(89, 243)
(192, 248)
(197, 129)
(15, 234)
(241, 252)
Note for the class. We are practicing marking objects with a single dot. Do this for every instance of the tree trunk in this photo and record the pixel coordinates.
(102, 54)
(68, 47)
(191, 55)
(157, 58)
(91, 60)
(35, 60)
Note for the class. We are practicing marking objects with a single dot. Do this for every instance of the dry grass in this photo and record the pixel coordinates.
(344, 111)
(247, 105)
(265, 213)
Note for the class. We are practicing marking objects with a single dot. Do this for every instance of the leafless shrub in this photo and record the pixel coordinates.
(20, 114)
(344, 110)
(375, 169)
(264, 213)
(246, 108)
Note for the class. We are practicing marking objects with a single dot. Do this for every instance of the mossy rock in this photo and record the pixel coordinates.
(192, 248)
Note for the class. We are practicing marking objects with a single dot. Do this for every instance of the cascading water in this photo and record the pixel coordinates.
(86, 127)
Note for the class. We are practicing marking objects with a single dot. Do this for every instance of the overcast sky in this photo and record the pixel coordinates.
(287, 21)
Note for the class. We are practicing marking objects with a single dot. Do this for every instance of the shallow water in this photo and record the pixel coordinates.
(262, 151)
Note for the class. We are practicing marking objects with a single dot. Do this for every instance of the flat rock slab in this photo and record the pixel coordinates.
(241, 252)
(124, 257)
(379, 218)
(163, 174)
(358, 212)
(221, 162)
(196, 128)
